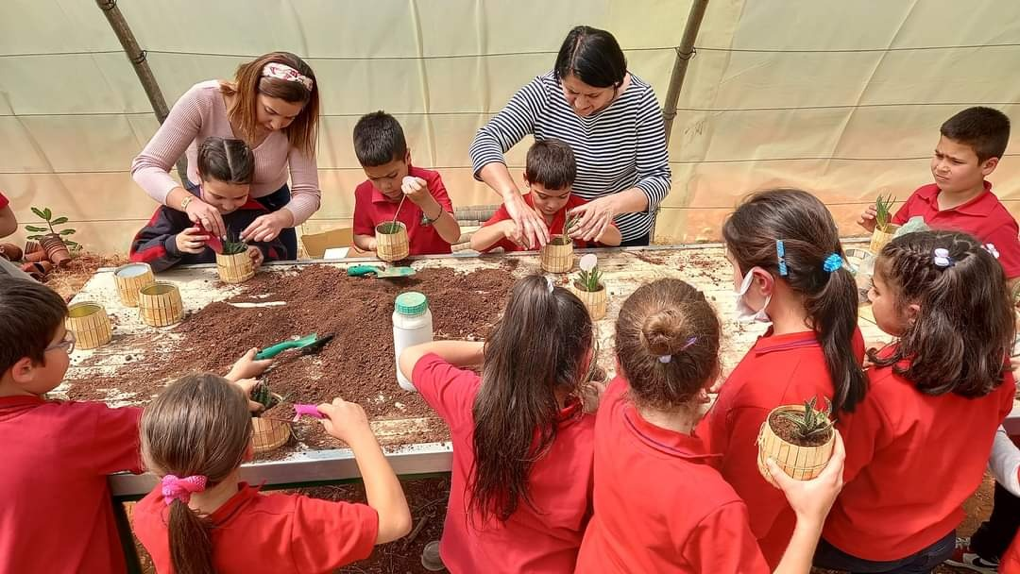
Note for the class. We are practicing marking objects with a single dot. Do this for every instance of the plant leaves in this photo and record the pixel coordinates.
(67, 232)
(34, 237)
(36, 229)
(38, 213)
(59, 221)
(47, 214)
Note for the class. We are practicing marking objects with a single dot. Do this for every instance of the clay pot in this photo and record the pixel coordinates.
(799, 462)
(880, 237)
(558, 255)
(160, 305)
(36, 257)
(269, 434)
(32, 247)
(90, 324)
(56, 250)
(10, 251)
(595, 301)
(130, 278)
(38, 270)
(236, 268)
(391, 245)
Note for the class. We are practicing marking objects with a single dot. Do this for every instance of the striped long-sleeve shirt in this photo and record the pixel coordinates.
(618, 148)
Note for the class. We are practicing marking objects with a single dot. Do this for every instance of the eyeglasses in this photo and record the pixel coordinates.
(67, 343)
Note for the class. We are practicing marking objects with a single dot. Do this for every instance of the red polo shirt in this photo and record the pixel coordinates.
(556, 228)
(660, 506)
(269, 533)
(983, 217)
(540, 538)
(1010, 562)
(55, 509)
(372, 208)
(777, 370)
(911, 461)
(3, 201)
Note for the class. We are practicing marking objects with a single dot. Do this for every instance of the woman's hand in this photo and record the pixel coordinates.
(208, 216)
(530, 225)
(191, 240)
(267, 227)
(595, 217)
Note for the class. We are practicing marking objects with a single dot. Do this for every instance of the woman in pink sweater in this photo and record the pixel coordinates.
(273, 105)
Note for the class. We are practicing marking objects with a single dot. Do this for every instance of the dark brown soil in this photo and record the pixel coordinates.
(649, 258)
(787, 430)
(358, 365)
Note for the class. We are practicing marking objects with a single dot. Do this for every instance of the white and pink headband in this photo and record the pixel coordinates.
(286, 73)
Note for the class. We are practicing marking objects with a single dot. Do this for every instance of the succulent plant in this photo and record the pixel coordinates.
(812, 421)
(590, 278)
(883, 209)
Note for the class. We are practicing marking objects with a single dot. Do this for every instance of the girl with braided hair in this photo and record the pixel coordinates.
(918, 443)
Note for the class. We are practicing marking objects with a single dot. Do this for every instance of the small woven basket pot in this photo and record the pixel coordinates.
(799, 462)
(269, 434)
(236, 268)
(557, 257)
(879, 238)
(595, 301)
(130, 279)
(392, 246)
(160, 305)
(90, 324)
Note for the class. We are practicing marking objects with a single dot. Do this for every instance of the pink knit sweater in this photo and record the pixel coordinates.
(200, 113)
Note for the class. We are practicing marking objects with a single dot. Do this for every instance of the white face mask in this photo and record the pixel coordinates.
(745, 314)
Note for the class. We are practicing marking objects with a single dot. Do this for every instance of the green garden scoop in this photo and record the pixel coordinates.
(309, 345)
(380, 272)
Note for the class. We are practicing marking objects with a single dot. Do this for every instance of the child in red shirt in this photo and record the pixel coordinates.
(549, 172)
(383, 154)
(788, 269)
(918, 444)
(970, 148)
(202, 518)
(660, 505)
(226, 168)
(520, 495)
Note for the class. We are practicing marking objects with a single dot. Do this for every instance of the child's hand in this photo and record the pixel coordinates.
(511, 232)
(344, 420)
(417, 190)
(191, 240)
(247, 385)
(812, 499)
(867, 218)
(247, 367)
(256, 256)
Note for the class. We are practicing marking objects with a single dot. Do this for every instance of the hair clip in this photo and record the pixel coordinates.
(989, 247)
(832, 263)
(941, 258)
(665, 359)
(550, 283)
(781, 255)
(689, 342)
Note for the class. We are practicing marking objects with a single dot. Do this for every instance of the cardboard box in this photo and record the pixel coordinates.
(316, 244)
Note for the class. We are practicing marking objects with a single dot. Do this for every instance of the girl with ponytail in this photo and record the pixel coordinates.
(660, 504)
(522, 444)
(201, 519)
(788, 270)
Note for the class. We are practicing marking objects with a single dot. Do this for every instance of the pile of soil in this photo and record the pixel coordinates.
(787, 430)
(358, 365)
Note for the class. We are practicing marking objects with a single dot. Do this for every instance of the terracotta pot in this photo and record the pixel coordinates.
(38, 270)
(556, 256)
(56, 250)
(32, 247)
(10, 251)
(880, 237)
(90, 324)
(595, 301)
(269, 434)
(36, 257)
(799, 462)
(236, 268)
(392, 246)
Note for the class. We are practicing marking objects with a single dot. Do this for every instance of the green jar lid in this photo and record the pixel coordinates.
(412, 303)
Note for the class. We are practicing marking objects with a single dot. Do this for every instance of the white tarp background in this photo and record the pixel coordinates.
(841, 98)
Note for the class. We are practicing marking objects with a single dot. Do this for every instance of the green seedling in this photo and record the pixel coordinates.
(883, 211)
(812, 422)
(51, 227)
(590, 277)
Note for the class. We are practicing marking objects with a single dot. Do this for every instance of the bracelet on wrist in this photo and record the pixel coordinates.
(186, 202)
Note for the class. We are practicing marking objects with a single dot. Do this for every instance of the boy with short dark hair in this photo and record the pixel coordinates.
(970, 148)
(428, 215)
(549, 173)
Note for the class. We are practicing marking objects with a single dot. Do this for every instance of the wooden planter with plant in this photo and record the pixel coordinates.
(391, 243)
(557, 256)
(799, 438)
(269, 432)
(233, 262)
(884, 228)
(589, 288)
(51, 240)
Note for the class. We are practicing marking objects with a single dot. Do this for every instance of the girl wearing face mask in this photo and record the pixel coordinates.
(788, 270)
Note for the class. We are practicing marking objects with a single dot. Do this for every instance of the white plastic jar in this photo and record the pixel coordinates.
(412, 325)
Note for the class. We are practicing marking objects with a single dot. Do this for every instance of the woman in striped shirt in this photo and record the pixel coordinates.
(611, 120)
(273, 105)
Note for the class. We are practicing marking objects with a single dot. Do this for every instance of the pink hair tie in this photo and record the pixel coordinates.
(307, 410)
(175, 488)
(286, 73)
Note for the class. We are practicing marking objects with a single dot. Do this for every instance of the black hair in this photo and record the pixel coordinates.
(378, 139)
(593, 56)
(551, 163)
(32, 313)
(985, 130)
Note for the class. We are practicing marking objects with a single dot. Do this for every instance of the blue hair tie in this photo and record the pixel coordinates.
(781, 256)
(833, 263)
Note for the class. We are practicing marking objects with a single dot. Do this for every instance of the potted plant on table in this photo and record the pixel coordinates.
(391, 243)
(799, 438)
(884, 228)
(233, 262)
(589, 288)
(269, 432)
(557, 256)
(50, 240)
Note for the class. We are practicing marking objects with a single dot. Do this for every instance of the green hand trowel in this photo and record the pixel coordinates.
(308, 345)
(380, 272)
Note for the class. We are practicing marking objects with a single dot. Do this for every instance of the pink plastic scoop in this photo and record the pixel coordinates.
(307, 410)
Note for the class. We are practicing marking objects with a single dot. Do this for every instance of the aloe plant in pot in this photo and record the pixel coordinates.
(557, 256)
(589, 288)
(885, 230)
(233, 263)
(51, 239)
(270, 432)
(799, 438)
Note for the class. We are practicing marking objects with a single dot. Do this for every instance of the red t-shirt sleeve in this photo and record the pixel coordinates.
(1006, 242)
(116, 442)
(3, 201)
(438, 191)
(327, 535)
(723, 543)
(448, 390)
(501, 215)
(363, 224)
